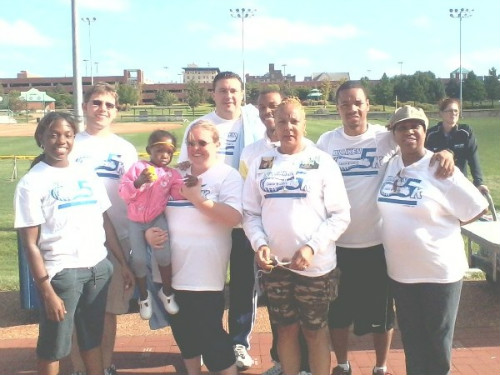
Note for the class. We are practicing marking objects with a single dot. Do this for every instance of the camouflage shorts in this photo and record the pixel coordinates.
(293, 297)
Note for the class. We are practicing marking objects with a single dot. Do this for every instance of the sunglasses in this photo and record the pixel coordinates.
(200, 143)
(99, 103)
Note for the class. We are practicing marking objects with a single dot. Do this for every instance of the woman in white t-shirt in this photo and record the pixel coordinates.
(423, 246)
(62, 222)
(200, 240)
(295, 208)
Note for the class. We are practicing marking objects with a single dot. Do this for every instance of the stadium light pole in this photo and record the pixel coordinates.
(243, 13)
(86, 61)
(89, 21)
(400, 67)
(77, 76)
(461, 14)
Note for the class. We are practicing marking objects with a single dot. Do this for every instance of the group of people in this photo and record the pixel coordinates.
(337, 230)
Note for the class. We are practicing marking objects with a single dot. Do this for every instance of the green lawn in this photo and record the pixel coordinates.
(487, 131)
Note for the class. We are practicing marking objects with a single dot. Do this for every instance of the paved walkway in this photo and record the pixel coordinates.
(476, 347)
(476, 351)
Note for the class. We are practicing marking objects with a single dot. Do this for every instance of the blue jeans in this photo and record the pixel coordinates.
(426, 314)
(242, 296)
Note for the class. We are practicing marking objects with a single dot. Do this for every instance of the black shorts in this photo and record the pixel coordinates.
(198, 330)
(364, 297)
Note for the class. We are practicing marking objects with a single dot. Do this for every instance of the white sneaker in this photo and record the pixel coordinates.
(275, 370)
(145, 308)
(111, 370)
(168, 302)
(243, 359)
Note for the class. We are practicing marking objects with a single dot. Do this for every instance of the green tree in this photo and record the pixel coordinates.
(302, 92)
(383, 92)
(326, 89)
(195, 95)
(473, 89)
(401, 86)
(416, 90)
(63, 98)
(15, 103)
(492, 86)
(165, 98)
(452, 88)
(367, 85)
(253, 89)
(4, 100)
(128, 94)
(286, 89)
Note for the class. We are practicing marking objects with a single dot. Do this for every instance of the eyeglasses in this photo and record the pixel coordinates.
(454, 111)
(200, 143)
(98, 103)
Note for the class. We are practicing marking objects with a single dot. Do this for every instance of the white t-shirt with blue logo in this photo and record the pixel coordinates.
(110, 156)
(362, 160)
(294, 200)
(68, 204)
(421, 217)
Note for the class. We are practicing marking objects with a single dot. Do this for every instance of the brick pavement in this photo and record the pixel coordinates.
(476, 345)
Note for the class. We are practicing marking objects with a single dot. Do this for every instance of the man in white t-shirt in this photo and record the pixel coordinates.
(238, 127)
(362, 151)
(110, 156)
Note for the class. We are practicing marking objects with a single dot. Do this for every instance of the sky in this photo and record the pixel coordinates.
(161, 37)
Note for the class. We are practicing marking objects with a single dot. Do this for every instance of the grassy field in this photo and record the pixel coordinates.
(487, 131)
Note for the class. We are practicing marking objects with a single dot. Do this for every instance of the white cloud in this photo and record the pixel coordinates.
(480, 61)
(198, 26)
(302, 62)
(422, 22)
(22, 34)
(112, 62)
(258, 34)
(377, 55)
(487, 58)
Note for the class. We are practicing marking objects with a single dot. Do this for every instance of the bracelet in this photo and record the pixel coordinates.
(42, 279)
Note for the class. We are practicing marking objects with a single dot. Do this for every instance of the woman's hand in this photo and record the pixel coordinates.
(446, 163)
(302, 258)
(156, 237)
(128, 277)
(191, 190)
(483, 189)
(54, 307)
(183, 165)
(263, 258)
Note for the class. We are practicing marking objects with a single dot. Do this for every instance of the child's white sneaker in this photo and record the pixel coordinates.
(168, 302)
(145, 308)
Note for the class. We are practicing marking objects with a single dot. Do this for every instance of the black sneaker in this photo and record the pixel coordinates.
(337, 370)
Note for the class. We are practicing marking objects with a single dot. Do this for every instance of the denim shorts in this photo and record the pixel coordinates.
(84, 292)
